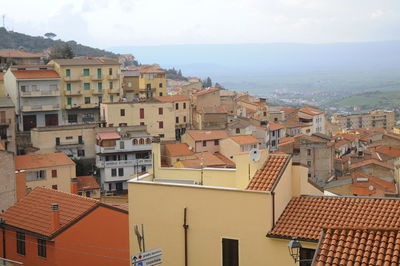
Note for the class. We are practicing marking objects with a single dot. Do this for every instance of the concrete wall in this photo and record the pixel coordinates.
(7, 180)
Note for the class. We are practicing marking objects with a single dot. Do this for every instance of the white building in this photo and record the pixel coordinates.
(314, 116)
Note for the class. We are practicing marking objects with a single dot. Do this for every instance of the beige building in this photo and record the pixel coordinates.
(87, 186)
(7, 124)
(146, 81)
(51, 170)
(315, 117)
(7, 180)
(204, 140)
(130, 84)
(373, 119)
(237, 144)
(3, 92)
(159, 117)
(85, 83)
(16, 57)
(77, 141)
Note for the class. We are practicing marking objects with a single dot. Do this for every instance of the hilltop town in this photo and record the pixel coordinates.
(102, 161)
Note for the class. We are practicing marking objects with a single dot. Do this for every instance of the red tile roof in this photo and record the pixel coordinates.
(370, 161)
(33, 212)
(388, 150)
(274, 126)
(394, 136)
(173, 98)
(310, 111)
(199, 135)
(228, 162)
(18, 54)
(178, 149)
(208, 159)
(34, 161)
(35, 74)
(266, 177)
(108, 135)
(87, 183)
(244, 139)
(368, 185)
(287, 110)
(304, 217)
(206, 91)
(358, 247)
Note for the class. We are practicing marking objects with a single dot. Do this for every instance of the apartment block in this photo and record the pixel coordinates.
(85, 83)
(159, 117)
(51, 170)
(237, 144)
(16, 57)
(35, 92)
(76, 141)
(314, 117)
(7, 124)
(130, 84)
(204, 140)
(373, 119)
(121, 154)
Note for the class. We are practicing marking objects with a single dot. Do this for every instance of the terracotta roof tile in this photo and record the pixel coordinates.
(274, 126)
(108, 135)
(86, 61)
(35, 74)
(206, 91)
(310, 111)
(304, 217)
(33, 212)
(87, 183)
(370, 161)
(34, 161)
(209, 160)
(266, 177)
(244, 139)
(394, 136)
(18, 54)
(199, 135)
(228, 162)
(173, 98)
(372, 247)
(178, 149)
(368, 185)
(388, 150)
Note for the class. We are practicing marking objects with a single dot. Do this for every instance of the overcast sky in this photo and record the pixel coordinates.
(110, 23)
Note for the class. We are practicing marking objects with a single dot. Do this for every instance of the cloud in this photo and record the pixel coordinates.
(377, 14)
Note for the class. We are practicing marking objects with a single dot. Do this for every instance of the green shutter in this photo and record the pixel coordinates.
(86, 72)
(87, 100)
(68, 86)
(68, 72)
(99, 86)
(86, 86)
(69, 101)
(99, 73)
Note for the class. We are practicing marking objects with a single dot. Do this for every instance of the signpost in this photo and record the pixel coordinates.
(148, 258)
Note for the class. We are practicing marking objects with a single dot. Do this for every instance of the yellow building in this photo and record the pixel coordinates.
(372, 119)
(51, 170)
(152, 82)
(3, 92)
(85, 83)
(130, 84)
(158, 117)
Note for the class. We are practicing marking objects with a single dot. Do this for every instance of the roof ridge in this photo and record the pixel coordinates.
(69, 194)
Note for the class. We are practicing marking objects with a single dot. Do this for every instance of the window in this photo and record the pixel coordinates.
(41, 247)
(69, 137)
(72, 118)
(81, 153)
(276, 119)
(204, 143)
(160, 94)
(87, 100)
(21, 243)
(176, 106)
(273, 133)
(100, 99)
(87, 194)
(160, 124)
(160, 111)
(308, 152)
(177, 120)
(55, 187)
(68, 86)
(230, 252)
(110, 71)
(184, 119)
(111, 98)
(86, 86)
(118, 186)
(141, 111)
(238, 131)
(309, 163)
(80, 139)
(142, 123)
(306, 256)
(54, 173)
(273, 143)
(122, 112)
(99, 87)
(111, 85)
(216, 142)
(57, 141)
(265, 113)
(161, 135)
(184, 105)
(68, 72)
(86, 72)
(69, 101)
(99, 73)
(122, 145)
(113, 172)
(160, 85)
(120, 171)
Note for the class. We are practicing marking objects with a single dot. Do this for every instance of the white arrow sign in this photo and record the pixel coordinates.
(148, 258)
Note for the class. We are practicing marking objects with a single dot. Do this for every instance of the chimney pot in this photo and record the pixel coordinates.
(74, 185)
(55, 216)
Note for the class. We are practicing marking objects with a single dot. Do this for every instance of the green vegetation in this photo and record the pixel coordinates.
(371, 100)
(175, 75)
(19, 41)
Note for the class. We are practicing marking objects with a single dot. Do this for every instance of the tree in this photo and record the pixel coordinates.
(64, 52)
(180, 73)
(217, 85)
(50, 35)
(207, 83)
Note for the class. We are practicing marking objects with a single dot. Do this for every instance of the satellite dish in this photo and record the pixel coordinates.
(255, 155)
(371, 187)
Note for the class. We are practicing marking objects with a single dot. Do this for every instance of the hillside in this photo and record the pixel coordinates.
(15, 40)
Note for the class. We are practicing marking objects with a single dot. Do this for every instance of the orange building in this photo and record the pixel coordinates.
(48, 227)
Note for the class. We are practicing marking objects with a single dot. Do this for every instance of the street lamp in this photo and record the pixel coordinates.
(294, 247)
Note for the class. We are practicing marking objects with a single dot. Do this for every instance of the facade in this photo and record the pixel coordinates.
(130, 84)
(35, 92)
(15, 57)
(120, 155)
(237, 144)
(159, 117)
(85, 83)
(206, 98)
(7, 124)
(87, 186)
(51, 170)
(152, 81)
(210, 118)
(76, 141)
(373, 119)
(204, 140)
(275, 132)
(49, 227)
(3, 92)
(7, 180)
(315, 117)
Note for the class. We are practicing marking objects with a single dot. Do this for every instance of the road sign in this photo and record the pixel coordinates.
(148, 258)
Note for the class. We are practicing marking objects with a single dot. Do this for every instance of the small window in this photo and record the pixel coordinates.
(238, 131)
(160, 85)
(80, 139)
(276, 119)
(177, 120)
(57, 141)
(86, 71)
(161, 124)
(176, 106)
(41, 248)
(308, 152)
(54, 173)
(100, 99)
(120, 171)
(122, 112)
(160, 94)
(69, 100)
(69, 87)
(55, 187)
(141, 113)
(72, 118)
(110, 71)
(99, 87)
(273, 143)
(309, 163)
(216, 142)
(113, 172)
(111, 85)
(68, 72)
(273, 133)
(230, 252)
(69, 137)
(21, 243)
(111, 98)
(142, 123)
(161, 135)
(87, 100)
(160, 111)
(87, 193)
(122, 145)
(81, 153)
(184, 105)
(204, 143)
(86, 86)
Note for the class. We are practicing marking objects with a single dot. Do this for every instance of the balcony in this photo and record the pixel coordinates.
(40, 93)
(113, 76)
(114, 149)
(34, 108)
(97, 77)
(113, 91)
(102, 164)
(69, 145)
(71, 78)
(73, 93)
(5, 122)
(97, 92)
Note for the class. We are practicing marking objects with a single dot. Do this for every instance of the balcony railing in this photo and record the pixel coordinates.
(41, 93)
(71, 78)
(138, 147)
(72, 144)
(47, 107)
(102, 164)
(5, 122)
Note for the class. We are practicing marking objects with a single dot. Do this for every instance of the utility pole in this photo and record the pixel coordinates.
(4, 18)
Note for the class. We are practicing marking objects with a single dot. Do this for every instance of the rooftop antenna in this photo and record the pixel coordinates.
(4, 18)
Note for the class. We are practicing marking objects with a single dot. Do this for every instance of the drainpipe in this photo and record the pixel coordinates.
(185, 227)
(273, 208)
(4, 239)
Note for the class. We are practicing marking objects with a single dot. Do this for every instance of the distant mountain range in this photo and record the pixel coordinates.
(345, 66)
(15, 40)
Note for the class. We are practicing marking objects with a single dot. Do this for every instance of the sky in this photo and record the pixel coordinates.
(113, 23)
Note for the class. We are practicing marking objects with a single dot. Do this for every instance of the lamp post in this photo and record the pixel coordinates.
(294, 247)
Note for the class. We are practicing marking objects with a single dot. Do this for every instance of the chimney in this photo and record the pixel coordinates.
(55, 217)
(74, 185)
